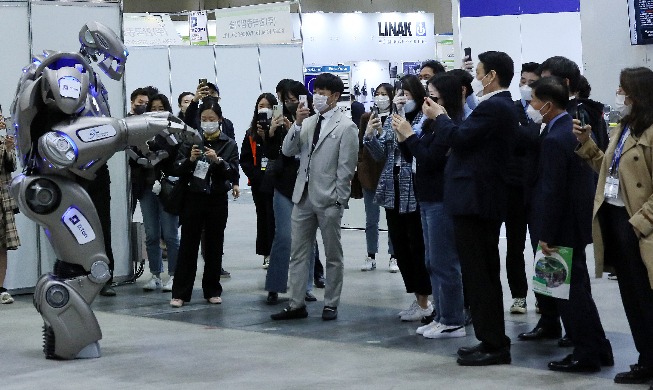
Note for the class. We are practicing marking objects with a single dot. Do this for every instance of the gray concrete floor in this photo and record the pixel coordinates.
(149, 345)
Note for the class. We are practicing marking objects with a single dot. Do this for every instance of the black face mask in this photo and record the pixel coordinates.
(292, 108)
(140, 109)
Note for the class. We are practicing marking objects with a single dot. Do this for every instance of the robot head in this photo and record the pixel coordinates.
(104, 47)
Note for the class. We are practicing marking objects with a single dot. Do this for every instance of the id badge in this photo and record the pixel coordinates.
(264, 163)
(611, 189)
(201, 169)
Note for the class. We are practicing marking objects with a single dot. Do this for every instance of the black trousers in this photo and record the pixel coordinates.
(580, 316)
(208, 213)
(516, 240)
(264, 222)
(405, 232)
(622, 246)
(477, 242)
(100, 192)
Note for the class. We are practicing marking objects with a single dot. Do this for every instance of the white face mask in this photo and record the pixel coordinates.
(410, 105)
(423, 83)
(210, 127)
(382, 102)
(478, 86)
(536, 115)
(320, 103)
(525, 92)
(267, 111)
(620, 105)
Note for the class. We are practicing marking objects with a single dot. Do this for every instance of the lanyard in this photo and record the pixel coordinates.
(617, 152)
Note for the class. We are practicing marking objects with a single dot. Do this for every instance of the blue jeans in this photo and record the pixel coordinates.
(442, 263)
(159, 223)
(372, 213)
(276, 279)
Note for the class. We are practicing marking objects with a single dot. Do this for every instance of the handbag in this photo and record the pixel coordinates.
(356, 187)
(274, 167)
(173, 193)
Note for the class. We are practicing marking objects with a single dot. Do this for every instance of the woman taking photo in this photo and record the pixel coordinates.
(211, 171)
(440, 252)
(396, 194)
(623, 210)
(369, 171)
(254, 161)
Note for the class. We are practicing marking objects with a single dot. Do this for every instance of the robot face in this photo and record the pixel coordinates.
(103, 46)
(65, 88)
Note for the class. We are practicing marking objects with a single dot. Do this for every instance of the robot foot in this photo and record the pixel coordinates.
(90, 351)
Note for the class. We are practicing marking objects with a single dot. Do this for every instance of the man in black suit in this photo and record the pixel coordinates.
(475, 194)
(562, 207)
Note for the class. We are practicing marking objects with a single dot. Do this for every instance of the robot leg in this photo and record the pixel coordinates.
(63, 297)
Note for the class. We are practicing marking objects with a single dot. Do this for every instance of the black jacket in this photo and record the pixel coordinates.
(284, 179)
(431, 160)
(258, 179)
(221, 176)
(192, 119)
(143, 177)
(592, 114)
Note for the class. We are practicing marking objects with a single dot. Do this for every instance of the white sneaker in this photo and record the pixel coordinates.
(518, 306)
(5, 298)
(370, 264)
(266, 262)
(410, 309)
(392, 267)
(424, 328)
(168, 285)
(152, 284)
(445, 331)
(418, 313)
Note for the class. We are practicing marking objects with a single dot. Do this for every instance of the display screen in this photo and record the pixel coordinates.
(640, 13)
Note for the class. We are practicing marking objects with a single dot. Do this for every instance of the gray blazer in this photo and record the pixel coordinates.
(331, 167)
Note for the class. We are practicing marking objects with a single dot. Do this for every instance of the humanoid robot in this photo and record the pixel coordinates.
(64, 131)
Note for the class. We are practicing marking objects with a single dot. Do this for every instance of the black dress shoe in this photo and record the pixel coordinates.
(607, 359)
(108, 291)
(464, 351)
(540, 334)
(329, 313)
(273, 298)
(290, 314)
(486, 358)
(637, 374)
(565, 342)
(319, 282)
(569, 364)
(309, 297)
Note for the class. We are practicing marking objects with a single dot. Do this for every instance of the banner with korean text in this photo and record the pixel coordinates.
(198, 22)
(254, 24)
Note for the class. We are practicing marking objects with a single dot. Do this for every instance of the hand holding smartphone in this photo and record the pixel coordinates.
(303, 99)
(203, 82)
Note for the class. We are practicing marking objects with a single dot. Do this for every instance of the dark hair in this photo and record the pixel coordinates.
(330, 82)
(465, 79)
(388, 89)
(151, 91)
(164, 100)
(281, 85)
(412, 84)
(584, 88)
(433, 64)
(451, 92)
(563, 68)
(138, 92)
(499, 62)
(295, 89)
(637, 83)
(553, 89)
(273, 102)
(182, 95)
(214, 87)
(530, 67)
(211, 103)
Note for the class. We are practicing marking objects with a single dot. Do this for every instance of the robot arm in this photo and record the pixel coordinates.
(83, 145)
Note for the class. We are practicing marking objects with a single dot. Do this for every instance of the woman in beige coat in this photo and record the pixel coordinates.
(623, 210)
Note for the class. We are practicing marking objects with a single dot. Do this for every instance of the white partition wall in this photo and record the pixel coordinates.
(147, 66)
(188, 64)
(280, 62)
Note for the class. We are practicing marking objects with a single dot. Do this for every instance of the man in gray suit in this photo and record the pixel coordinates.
(327, 144)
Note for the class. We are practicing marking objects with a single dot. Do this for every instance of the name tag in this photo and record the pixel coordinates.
(201, 170)
(264, 163)
(611, 189)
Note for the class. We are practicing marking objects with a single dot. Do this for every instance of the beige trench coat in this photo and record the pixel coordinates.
(635, 186)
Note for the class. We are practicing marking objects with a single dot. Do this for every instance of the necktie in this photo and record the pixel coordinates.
(316, 133)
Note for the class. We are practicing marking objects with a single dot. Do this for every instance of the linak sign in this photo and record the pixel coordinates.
(402, 29)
